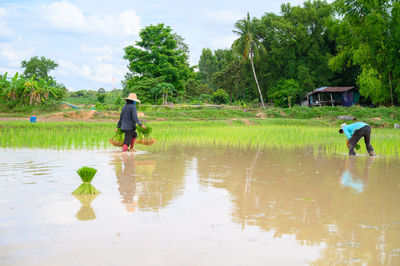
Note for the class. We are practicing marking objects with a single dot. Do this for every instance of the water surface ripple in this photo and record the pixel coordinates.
(199, 206)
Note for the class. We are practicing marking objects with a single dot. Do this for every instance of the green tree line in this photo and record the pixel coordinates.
(277, 58)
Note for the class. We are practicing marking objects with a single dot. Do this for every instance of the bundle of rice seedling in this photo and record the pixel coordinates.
(144, 136)
(86, 174)
(118, 139)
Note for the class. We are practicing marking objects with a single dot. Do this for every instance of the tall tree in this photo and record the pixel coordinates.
(300, 42)
(207, 66)
(38, 67)
(232, 79)
(249, 46)
(224, 58)
(159, 54)
(370, 38)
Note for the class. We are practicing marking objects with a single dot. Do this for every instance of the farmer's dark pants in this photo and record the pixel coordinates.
(358, 134)
(129, 134)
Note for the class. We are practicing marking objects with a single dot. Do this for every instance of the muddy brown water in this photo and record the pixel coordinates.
(199, 206)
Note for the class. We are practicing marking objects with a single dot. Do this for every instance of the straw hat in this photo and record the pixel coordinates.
(133, 97)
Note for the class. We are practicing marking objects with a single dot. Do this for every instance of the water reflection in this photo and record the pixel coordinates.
(352, 177)
(125, 172)
(147, 183)
(296, 194)
(86, 212)
(273, 206)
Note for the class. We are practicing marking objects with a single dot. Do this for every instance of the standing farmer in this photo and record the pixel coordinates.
(128, 120)
(354, 132)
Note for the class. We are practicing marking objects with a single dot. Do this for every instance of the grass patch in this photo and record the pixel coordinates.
(378, 117)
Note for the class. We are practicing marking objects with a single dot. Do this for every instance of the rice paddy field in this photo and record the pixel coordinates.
(230, 192)
(285, 134)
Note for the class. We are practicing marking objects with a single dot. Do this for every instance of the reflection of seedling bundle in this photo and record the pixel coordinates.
(145, 168)
(86, 212)
(86, 174)
(144, 136)
(118, 139)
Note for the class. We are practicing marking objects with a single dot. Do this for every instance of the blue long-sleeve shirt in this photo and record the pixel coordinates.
(350, 129)
(128, 118)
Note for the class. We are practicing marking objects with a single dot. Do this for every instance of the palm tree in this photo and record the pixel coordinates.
(249, 45)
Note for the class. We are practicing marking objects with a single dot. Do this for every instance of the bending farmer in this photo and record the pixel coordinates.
(354, 132)
(128, 120)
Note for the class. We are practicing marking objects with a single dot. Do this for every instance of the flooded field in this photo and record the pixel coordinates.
(199, 206)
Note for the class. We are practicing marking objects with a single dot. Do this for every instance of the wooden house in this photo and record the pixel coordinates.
(344, 96)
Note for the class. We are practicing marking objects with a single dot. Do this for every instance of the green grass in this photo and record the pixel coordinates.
(384, 117)
(378, 117)
(287, 134)
(194, 114)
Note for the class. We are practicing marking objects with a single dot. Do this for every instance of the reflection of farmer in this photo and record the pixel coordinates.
(127, 183)
(128, 120)
(354, 132)
(351, 176)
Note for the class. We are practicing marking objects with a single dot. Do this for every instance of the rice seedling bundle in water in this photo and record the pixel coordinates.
(118, 139)
(144, 136)
(86, 174)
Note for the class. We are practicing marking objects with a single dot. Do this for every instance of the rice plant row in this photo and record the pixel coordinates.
(273, 134)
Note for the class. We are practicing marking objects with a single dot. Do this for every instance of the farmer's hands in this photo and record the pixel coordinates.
(347, 143)
(143, 126)
(116, 130)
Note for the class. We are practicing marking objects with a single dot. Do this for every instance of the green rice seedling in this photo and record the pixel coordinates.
(285, 134)
(144, 136)
(86, 174)
(118, 139)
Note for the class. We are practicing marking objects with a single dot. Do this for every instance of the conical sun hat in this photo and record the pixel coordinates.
(343, 125)
(133, 97)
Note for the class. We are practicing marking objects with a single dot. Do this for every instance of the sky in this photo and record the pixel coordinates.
(86, 38)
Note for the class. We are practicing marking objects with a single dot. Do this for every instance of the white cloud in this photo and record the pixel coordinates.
(94, 71)
(66, 16)
(99, 53)
(102, 73)
(224, 16)
(15, 52)
(2, 12)
(224, 41)
(130, 22)
(5, 30)
(96, 50)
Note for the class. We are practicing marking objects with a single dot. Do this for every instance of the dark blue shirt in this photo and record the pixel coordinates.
(128, 118)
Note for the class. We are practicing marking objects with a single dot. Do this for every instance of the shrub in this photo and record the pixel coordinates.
(101, 97)
(285, 93)
(220, 97)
